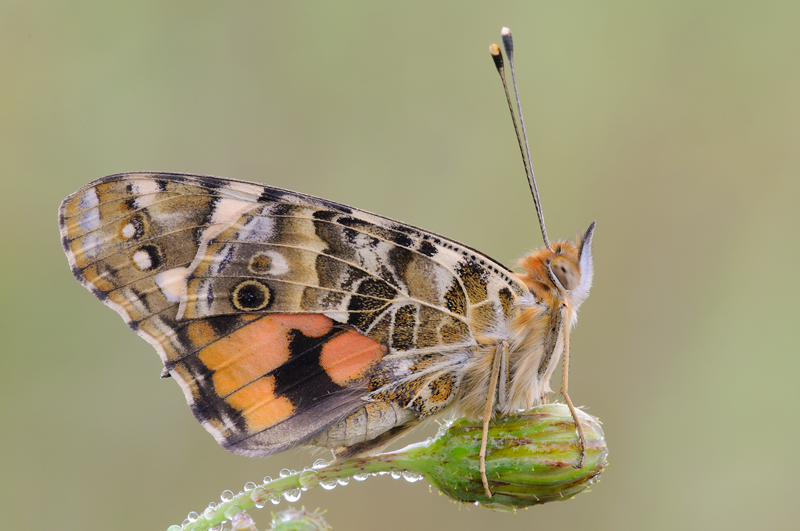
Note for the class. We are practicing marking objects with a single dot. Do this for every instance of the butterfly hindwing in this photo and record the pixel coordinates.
(279, 313)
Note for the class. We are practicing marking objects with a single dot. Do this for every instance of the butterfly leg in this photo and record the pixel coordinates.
(498, 388)
(564, 383)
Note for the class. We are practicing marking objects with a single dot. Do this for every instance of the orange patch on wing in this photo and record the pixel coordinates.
(311, 324)
(200, 332)
(259, 405)
(256, 349)
(350, 357)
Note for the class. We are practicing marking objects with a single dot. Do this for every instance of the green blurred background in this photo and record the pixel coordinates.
(675, 125)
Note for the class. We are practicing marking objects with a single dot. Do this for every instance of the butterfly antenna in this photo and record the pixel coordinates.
(525, 152)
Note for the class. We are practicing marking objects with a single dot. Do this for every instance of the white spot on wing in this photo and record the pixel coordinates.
(279, 265)
(171, 283)
(228, 211)
(128, 231)
(142, 260)
(145, 193)
(89, 199)
(90, 220)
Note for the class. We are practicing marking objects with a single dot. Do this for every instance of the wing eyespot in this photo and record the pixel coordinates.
(251, 296)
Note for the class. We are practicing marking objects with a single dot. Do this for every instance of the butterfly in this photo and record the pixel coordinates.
(290, 320)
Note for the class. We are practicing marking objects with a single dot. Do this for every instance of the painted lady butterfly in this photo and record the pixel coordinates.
(288, 319)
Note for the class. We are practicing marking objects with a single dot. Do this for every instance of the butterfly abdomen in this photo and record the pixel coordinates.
(368, 429)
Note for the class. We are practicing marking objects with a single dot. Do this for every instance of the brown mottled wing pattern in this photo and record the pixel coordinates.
(191, 262)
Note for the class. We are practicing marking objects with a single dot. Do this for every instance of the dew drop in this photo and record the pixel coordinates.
(343, 481)
(285, 472)
(192, 516)
(174, 527)
(411, 477)
(328, 484)
(249, 486)
(275, 499)
(210, 512)
(185, 524)
(232, 511)
(395, 474)
(260, 504)
(319, 463)
(226, 496)
(217, 527)
(360, 477)
(267, 479)
(306, 478)
(292, 495)
(259, 494)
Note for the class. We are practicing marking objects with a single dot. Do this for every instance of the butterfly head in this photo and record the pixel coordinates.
(563, 270)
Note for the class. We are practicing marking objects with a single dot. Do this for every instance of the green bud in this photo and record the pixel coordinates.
(530, 459)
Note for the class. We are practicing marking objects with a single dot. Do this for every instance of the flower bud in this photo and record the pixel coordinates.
(531, 458)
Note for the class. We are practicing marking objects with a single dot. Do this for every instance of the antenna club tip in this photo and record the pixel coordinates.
(508, 43)
(505, 31)
(494, 50)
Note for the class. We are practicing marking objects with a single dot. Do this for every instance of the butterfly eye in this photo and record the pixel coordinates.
(566, 272)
